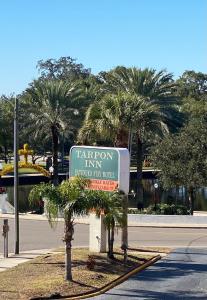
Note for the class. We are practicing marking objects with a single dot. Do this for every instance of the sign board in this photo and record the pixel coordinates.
(107, 168)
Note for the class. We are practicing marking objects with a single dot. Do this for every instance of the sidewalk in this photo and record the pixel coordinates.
(16, 259)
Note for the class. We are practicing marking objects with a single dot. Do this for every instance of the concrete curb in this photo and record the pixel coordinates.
(115, 282)
(130, 223)
(187, 226)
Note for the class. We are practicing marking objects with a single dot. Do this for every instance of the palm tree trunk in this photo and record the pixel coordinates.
(139, 186)
(111, 248)
(124, 245)
(191, 199)
(5, 154)
(68, 238)
(109, 239)
(122, 138)
(55, 153)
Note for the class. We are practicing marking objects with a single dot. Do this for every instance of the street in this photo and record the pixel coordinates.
(39, 235)
(180, 275)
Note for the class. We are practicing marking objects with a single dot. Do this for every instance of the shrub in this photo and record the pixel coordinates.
(162, 209)
(90, 263)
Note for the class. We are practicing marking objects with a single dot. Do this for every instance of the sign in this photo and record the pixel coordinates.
(105, 167)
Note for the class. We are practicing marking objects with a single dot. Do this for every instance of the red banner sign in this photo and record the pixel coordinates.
(103, 185)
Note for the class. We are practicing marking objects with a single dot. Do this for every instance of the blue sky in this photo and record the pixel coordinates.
(101, 34)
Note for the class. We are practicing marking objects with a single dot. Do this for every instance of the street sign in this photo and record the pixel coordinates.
(107, 168)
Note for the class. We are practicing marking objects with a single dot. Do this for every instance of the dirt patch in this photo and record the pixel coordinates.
(44, 275)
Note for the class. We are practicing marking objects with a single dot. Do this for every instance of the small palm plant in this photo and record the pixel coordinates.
(72, 198)
(68, 197)
(111, 204)
(113, 216)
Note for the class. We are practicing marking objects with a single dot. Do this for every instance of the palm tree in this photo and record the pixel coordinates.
(72, 198)
(107, 118)
(110, 204)
(51, 105)
(114, 214)
(69, 198)
(136, 101)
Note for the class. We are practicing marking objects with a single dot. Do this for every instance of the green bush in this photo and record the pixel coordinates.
(133, 211)
(162, 209)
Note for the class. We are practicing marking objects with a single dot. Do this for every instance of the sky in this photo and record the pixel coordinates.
(100, 34)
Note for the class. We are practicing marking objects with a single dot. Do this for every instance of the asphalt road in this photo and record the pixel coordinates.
(38, 235)
(35, 235)
(181, 275)
(168, 237)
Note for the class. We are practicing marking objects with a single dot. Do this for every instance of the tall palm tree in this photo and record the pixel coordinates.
(51, 105)
(137, 101)
(107, 118)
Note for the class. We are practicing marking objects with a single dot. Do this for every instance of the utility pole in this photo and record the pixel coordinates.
(16, 181)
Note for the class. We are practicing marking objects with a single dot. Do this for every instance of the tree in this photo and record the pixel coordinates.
(181, 158)
(72, 199)
(106, 118)
(192, 85)
(6, 124)
(110, 204)
(64, 68)
(136, 101)
(192, 88)
(68, 198)
(51, 107)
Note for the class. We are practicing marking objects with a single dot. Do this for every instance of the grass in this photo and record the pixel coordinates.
(44, 275)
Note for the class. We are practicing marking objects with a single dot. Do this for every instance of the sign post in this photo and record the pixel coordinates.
(108, 170)
(16, 177)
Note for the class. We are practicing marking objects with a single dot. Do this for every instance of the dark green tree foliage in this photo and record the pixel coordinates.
(141, 102)
(192, 85)
(51, 107)
(69, 71)
(64, 68)
(6, 125)
(192, 88)
(182, 158)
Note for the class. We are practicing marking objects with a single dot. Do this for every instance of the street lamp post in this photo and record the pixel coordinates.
(63, 152)
(155, 194)
(16, 200)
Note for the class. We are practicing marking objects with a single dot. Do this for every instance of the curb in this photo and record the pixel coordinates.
(169, 226)
(130, 224)
(144, 225)
(115, 282)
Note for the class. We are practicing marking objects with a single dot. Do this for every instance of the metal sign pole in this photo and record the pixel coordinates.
(5, 235)
(16, 202)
